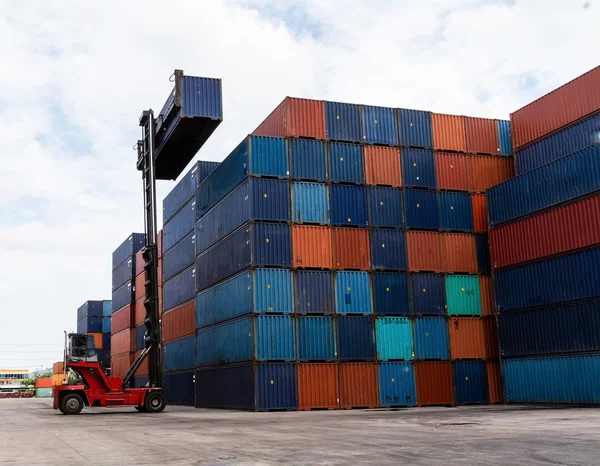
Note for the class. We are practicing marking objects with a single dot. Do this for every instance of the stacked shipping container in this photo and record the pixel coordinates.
(544, 244)
(93, 318)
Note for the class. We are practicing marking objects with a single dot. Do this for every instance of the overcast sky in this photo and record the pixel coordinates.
(75, 76)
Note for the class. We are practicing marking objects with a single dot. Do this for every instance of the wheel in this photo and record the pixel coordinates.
(71, 403)
(155, 402)
(141, 409)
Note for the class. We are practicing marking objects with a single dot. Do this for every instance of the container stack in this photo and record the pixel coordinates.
(91, 319)
(342, 261)
(545, 247)
(58, 373)
(43, 387)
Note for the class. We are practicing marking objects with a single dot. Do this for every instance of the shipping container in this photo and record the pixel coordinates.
(177, 259)
(128, 248)
(434, 383)
(179, 226)
(490, 335)
(449, 132)
(358, 385)
(421, 210)
(90, 324)
(456, 211)
(43, 392)
(348, 205)
(106, 308)
(122, 319)
(258, 244)
(310, 203)
(382, 166)
(418, 168)
(140, 333)
(562, 379)
(90, 309)
(428, 294)
(308, 160)
(96, 338)
(351, 249)
(143, 369)
(140, 285)
(179, 355)
(316, 339)
(397, 384)
(452, 171)
(488, 307)
(318, 386)
(251, 338)
(346, 163)
(312, 247)
(487, 172)
(119, 365)
(353, 293)
(139, 310)
(106, 324)
(388, 250)
(344, 122)
(394, 337)
(179, 289)
(460, 253)
(467, 338)
(385, 207)
(179, 322)
(571, 277)
(505, 137)
(122, 274)
(463, 295)
(424, 250)
(106, 341)
(554, 330)
(415, 128)
(379, 125)
(470, 383)
(494, 382)
(355, 338)
(122, 342)
(179, 388)
(43, 382)
(482, 136)
(313, 292)
(484, 262)
(564, 105)
(480, 220)
(390, 294)
(295, 118)
(431, 338)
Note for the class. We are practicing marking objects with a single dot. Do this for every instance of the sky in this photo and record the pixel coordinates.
(75, 77)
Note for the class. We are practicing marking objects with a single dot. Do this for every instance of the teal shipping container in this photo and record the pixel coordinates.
(463, 295)
(316, 338)
(394, 338)
(43, 393)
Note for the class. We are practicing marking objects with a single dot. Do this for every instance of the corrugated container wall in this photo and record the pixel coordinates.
(129, 247)
(351, 249)
(390, 294)
(505, 137)
(348, 205)
(385, 207)
(295, 118)
(482, 136)
(344, 122)
(379, 125)
(434, 383)
(382, 166)
(308, 160)
(431, 338)
(318, 386)
(449, 132)
(397, 384)
(313, 292)
(310, 203)
(358, 385)
(418, 168)
(316, 340)
(353, 293)
(179, 388)
(470, 382)
(452, 171)
(415, 128)
(388, 250)
(312, 247)
(179, 322)
(428, 296)
(346, 163)
(355, 338)
(489, 171)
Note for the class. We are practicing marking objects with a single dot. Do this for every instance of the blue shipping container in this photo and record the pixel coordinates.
(106, 308)
(181, 225)
(421, 209)
(179, 388)
(128, 248)
(388, 250)
(390, 294)
(310, 203)
(470, 383)
(123, 296)
(123, 273)
(179, 355)
(343, 122)
(346, 163)
(104, 358)
(484, 261)
(140, 334)
(348, 205)
(385, 207)
(394, 337)
(397, 384)
(90, 324)
(308, 160)
(431, 338)
(106, 324)
(379, 125)
(355, 338)
(106, 340)
(428, 294)
(179, 257)
(418, 168)
(179, 289)
(504, 137)
(313, 292)
(353, 293)
(316, 340)
(90, 308)
(415, 128)
(456, 211)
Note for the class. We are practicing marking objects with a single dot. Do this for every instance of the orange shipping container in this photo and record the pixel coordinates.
(449, 132)
(179, 322)
(120, 364)
(479, 212)
(122, 342)
(467, 339)
(452, 171)
(358, 385)
(487, 296)
(490, 335)
(434, 383)
(58, 368)
(489, 171)
(424, 251)
(122, 319)
(295, 118)
(318, 386)
(312, 246)
(57, 379)
(43, 382)
(143, 369)
(351, 249)
(140, 287)
(459, 253)
(97, 339)
(382, 166)
(494, 381)
(482, 136)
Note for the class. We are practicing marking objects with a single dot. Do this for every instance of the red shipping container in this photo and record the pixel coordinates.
(140, 287)
(449, 132)
(312, 246)
(563, 229)
(139, 263)
(140, 312)
(482, 136)
(43, 382)
(358, 385)
(295, 118)
(318, 386)
(424, 250)
(160, 299)
(467, 339)
(489, 171)
(487, 296)
(351, 249)
(490, 335)
(434, 383)
(119, 365)
(179, 322)
(459, 253)
(563, 106)
(122, 319)
(494, 381)
(122, 342)
(480, 221)
(382, 166)
(452, 171)
(143, 369)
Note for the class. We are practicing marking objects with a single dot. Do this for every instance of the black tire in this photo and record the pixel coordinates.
(71, 403)
(155, 402)
(141, 409)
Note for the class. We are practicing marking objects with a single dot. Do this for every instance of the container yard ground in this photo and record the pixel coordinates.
(32, 433)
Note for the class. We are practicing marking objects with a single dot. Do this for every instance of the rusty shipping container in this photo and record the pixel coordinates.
(140, 287)
(358, 385)
(143, 369)
(312, 247)
(494, 381)
(449, 132)
(295, 118)
(480, 221)
(139, 262)
(120, 364)
(122, 319)
(490, 335)
(122, 342)
(140, 311)
(434, 383)
(487, 296)
(424, 250)
(318, 386)
(382, 166)
(459, 253)
(489, 171)
(467, 340)
(452, 171)
(351, 249)
(482, 136)
(179, 322)
(561, 107)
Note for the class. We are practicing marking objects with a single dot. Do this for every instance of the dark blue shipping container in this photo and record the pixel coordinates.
(261, 387)
(316, 339)
(470, 383)
(185, 190)
(421, 209)
(128, 248)
(388, 250)
(456, 211)
(397, 384)
(179, 388)
(139, 381)
(484, 261)
(566, 329)
(431, 338)
(179, 289)
(558, 145)
(346, 163)
(564, 180)
(379, 125)
(390, 294)
(90, 324)
(254, 156)
(307, 159)
(90, 308)
(258, 244)
(385, 207)
(418, 168)
(181, 225)
(123, 296)
(106, 340)
(179, 355)
(104, 358)
(313, 292)
(123, 273)
(254, 199)
(428, 294)
(348, 205)
(355, 338)
(562, 279)
(140, 333)
(343, 122)
(415, 128)
(179, 257)
(504, 137)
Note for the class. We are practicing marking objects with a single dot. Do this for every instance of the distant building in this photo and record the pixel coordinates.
(11, 379)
